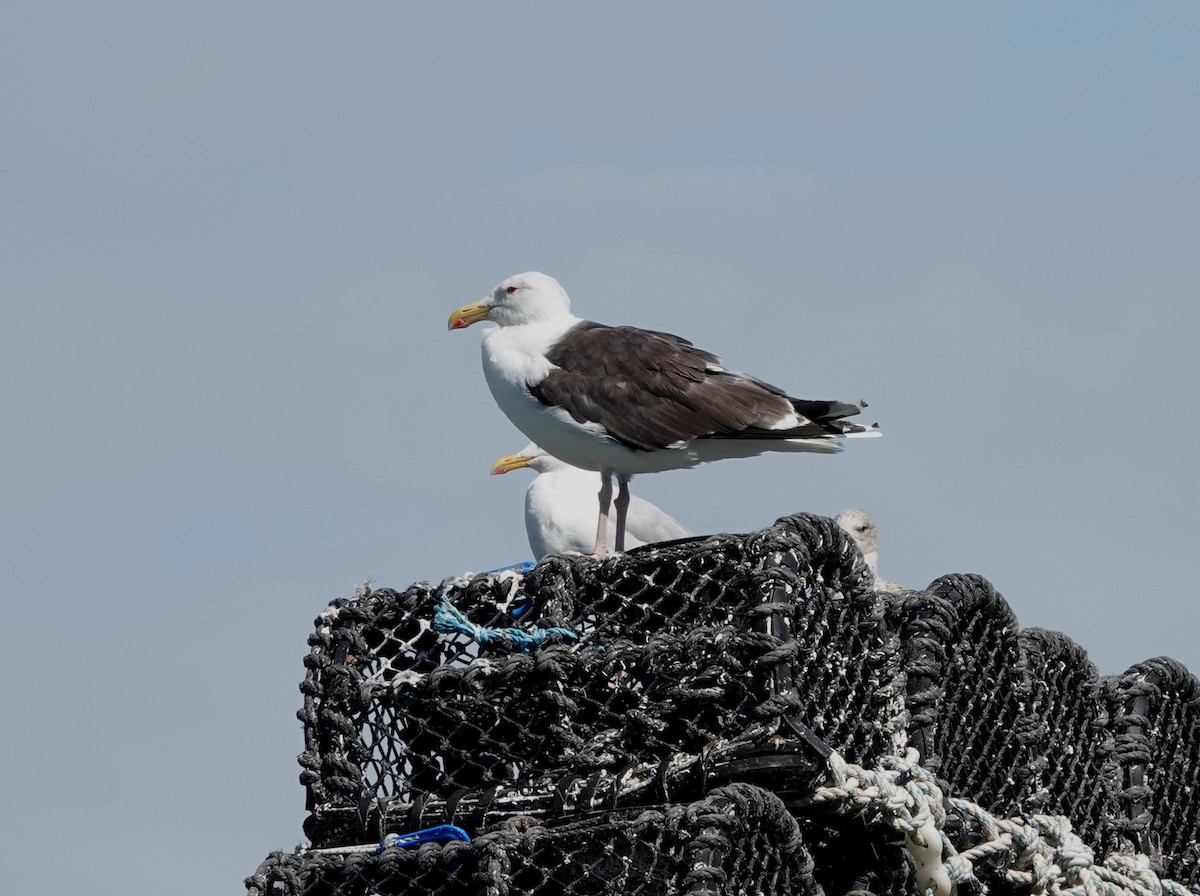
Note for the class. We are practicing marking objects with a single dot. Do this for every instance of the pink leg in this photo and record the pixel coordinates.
(622, 505)
(605, 497)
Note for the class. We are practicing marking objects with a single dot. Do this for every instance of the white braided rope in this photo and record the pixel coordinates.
(1046, 855)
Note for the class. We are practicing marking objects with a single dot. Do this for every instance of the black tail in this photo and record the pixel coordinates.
(822, 411)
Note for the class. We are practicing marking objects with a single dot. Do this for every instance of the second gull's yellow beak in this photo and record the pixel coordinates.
(467, 315)
(510, 463)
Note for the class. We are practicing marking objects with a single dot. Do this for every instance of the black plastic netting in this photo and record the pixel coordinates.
(653, 723)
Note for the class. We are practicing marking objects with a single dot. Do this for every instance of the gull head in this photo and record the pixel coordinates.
(859, 525)
(526, 298)
(533, 456)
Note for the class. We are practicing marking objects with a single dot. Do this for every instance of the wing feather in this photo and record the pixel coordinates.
(650, 389)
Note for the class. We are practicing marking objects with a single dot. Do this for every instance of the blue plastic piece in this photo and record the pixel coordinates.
(521, 568)
(441, 834)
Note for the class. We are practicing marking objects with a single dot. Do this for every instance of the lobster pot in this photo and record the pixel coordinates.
(665, 721)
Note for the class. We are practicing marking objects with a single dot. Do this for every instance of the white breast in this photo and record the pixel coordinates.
(560, 515)
(513, 357)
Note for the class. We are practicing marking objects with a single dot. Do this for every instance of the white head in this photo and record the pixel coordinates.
(521, 299)
(859, 526)
(533, 456)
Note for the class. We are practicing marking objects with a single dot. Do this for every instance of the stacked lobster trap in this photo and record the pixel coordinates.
(734, 714)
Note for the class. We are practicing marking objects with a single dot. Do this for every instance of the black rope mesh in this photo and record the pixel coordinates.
(1156, 710)
(653, 722)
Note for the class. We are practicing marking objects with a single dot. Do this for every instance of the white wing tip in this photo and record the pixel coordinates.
(874, 432)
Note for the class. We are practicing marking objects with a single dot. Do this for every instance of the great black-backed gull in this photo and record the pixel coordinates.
(623, 400)
(859, 525)
(560, 507)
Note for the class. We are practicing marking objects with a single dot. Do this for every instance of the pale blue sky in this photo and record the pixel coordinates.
(232, 233)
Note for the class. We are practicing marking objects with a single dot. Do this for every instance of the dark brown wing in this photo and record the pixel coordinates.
(650, 390)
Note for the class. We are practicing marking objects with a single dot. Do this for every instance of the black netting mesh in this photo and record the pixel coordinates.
(652, 724)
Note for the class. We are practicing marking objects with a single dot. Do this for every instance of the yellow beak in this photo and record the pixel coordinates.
(510, 463)
(467, 315)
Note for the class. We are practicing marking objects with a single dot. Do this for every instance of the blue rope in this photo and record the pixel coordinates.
(448, 619)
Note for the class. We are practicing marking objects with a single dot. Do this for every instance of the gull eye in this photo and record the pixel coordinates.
(510, 289)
